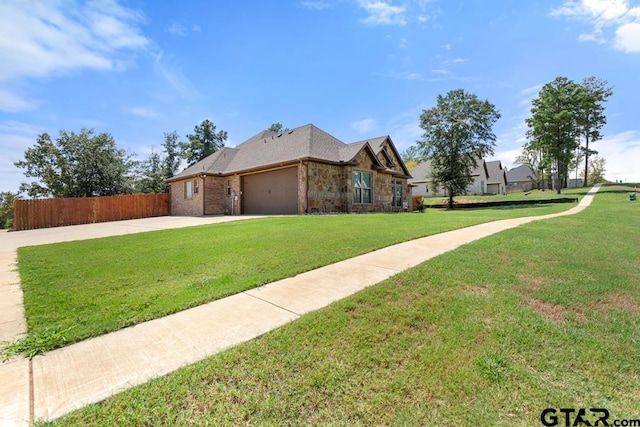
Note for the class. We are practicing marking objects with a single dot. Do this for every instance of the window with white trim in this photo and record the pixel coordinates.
(188, 189)
(362, 189)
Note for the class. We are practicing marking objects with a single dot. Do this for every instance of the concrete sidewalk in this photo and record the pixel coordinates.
(51, 385)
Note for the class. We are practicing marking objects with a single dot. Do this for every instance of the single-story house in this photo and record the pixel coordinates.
(521, 178)
(421, 184)
(304, 170)
(497, 179)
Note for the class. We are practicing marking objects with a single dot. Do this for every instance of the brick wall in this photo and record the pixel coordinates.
(183, 206)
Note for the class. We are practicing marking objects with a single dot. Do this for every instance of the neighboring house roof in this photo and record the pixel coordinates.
(268, 148)
(421, 171)
(496, 174)
(521, 173)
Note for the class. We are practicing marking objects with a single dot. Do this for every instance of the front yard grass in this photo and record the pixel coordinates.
(491, 334)
(531, 195)
(77, 290)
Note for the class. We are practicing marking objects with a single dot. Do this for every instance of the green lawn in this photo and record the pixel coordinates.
(544, 315)
(82, 289)
(521, 195)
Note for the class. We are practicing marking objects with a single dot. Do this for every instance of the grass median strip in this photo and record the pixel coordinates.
(77, 290)
(544, 315)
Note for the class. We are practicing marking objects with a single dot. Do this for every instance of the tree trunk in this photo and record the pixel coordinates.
(586, 160)
(450, 199)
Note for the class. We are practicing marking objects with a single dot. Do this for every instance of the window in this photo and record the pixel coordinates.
(228, 187)
(196, 186)
(188, 189)
(362, 187)
(396, 190)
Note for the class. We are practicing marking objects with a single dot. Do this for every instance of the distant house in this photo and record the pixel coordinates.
(304, 170)
(521, 178)
(421, 184)
(497, 179)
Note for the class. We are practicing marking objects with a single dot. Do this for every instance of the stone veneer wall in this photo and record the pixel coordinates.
(327, 190)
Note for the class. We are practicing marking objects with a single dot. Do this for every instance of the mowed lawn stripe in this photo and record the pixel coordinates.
(76, 290)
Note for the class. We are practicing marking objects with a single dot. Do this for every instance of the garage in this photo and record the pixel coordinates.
(274, 192)
(493, 188)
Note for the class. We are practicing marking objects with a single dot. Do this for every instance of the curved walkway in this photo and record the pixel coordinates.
(53, 384)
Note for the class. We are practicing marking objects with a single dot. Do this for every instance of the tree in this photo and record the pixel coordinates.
(153, 172)
(596, 170)
(592, 96)
(6, 208)
(412, 153)
(277, 127)
(203, 142)
(554, 126)
(76, 165)
(533, 157)
(171, 160)
(458, 133)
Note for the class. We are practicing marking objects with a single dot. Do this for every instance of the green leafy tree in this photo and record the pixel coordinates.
(554, 126)
(76, 165)
(591, 99)
(203, 142)
(277, 127)
(172, 157)
(597, 168)
(412, 153)
(6, 208)
(533, 157)
(458, 133)
(153, 171)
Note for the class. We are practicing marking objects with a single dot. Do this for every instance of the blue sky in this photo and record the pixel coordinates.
(354, 68)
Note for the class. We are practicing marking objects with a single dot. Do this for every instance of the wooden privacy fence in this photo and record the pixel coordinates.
(43, 213)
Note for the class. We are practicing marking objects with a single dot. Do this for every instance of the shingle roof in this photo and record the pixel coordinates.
(420, 172)
(495, 172)
(520, 174)
(269, 148)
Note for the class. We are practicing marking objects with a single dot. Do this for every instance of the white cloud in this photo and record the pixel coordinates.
(177, 29)
(531, 90)
(315, 5)
(15, 138)
(406, 75)
(42, 38)
(591, 38)
(364, 126)
(603, 14)
(10, 102)
(383, 13)
(621, 152)
(628, 38)
(146, 112)
(173, 74)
